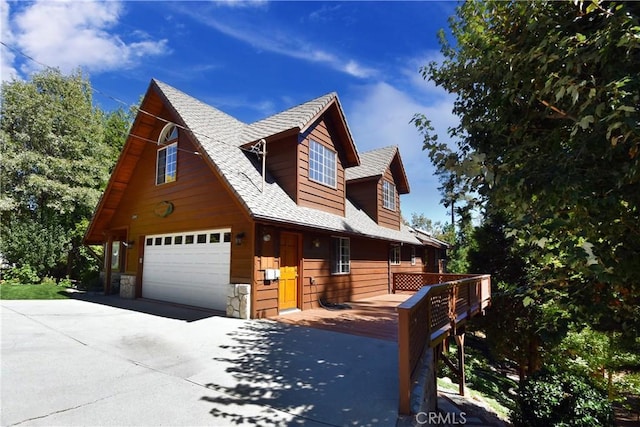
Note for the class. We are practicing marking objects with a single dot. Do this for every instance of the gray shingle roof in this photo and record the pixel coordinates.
(296, 117)
(218, 133)
(372, 163)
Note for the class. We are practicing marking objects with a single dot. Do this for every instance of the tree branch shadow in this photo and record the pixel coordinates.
(307, 376)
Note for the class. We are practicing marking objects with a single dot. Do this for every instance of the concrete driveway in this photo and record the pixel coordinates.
(114, 362)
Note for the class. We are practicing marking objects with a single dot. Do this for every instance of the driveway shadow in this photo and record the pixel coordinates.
(322, 378)
(155, 308)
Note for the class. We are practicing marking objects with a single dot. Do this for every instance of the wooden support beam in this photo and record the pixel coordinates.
(461, 376)
(108, 254)
(450, 364)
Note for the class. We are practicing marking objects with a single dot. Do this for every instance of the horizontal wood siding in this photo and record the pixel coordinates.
(282, 156)
(265, 302)
(369, 271)
(313, 194)
(388, 218)
(365, 196)
(405, 260)
(200, 200)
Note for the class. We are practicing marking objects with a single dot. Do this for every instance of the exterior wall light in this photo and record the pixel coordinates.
(266, 237)
(239, 238)
(316, 243)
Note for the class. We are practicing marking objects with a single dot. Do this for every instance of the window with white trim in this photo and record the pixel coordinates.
(413, 255)
(394, 258)
(388, 195)
(341, 262)
(322, 164)
(167, 156)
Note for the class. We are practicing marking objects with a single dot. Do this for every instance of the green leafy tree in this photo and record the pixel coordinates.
(55, 163)
(421, 222)
(116, 128)
(524, 322)
(548, 96)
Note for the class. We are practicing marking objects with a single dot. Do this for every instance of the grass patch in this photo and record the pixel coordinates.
(38, 291)
(485, 380)
(495, 406)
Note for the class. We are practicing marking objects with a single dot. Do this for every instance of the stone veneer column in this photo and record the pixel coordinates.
(239, 301)
(128, 286)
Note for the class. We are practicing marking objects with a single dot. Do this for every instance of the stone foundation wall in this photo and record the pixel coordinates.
(127, 286)
(115, 281)
(424, 395)
(239, 301)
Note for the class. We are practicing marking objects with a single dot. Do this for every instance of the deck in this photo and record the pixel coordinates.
(374, 317)
(424, 310)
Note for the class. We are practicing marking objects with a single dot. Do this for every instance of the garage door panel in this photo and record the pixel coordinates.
(194, 274)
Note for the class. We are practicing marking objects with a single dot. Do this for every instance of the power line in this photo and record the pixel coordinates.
(135, 107)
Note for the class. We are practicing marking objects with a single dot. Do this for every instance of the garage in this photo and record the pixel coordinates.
(189, 268)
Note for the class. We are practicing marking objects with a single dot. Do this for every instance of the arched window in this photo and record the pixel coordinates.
(168, 135)
(167, 156)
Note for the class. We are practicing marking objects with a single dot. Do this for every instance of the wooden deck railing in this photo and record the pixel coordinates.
(441, 303)
(413, 282)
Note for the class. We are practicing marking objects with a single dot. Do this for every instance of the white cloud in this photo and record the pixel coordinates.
(357, 70)
(412, 72)
(325, 13)
(7, 70)
(276, 40)
(381, 117)
(242, 3)
(71, 34)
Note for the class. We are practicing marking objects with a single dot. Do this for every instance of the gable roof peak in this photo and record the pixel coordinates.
(373, 163)
(297, 117)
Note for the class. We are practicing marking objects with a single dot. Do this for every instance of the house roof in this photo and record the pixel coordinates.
(375, 163)
(429, 239)
(220, 138)
(299, 119)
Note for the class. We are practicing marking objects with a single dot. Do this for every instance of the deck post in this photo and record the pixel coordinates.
(459, 337)
(108, 255)
(404, 368)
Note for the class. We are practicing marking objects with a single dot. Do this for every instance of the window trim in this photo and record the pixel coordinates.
(166, 179)
(325, 150)
(395, 259)
(168, 142)
(413, 255)
(337, 263)
(388, 200)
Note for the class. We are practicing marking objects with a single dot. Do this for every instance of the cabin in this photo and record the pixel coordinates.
(253, 219)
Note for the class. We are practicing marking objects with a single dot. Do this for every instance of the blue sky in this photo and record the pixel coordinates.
(252, 59)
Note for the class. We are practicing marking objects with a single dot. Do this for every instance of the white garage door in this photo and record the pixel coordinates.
(188, 268)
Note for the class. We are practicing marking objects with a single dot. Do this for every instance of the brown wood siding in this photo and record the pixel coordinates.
(405, 260)
(265, 302)
(364, 194)
(282, 163)
(369, 274)
(200, 200)
(388, 218)
(313, 194)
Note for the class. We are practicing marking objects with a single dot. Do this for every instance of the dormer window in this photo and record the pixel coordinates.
(322, 164)
(388, 195)
(167, 156)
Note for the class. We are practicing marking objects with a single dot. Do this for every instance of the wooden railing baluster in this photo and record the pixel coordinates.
(431, 314)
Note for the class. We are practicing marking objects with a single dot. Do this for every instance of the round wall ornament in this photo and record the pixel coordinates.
(163, 209)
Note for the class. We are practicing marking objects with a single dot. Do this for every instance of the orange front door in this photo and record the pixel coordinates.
(289, 259)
